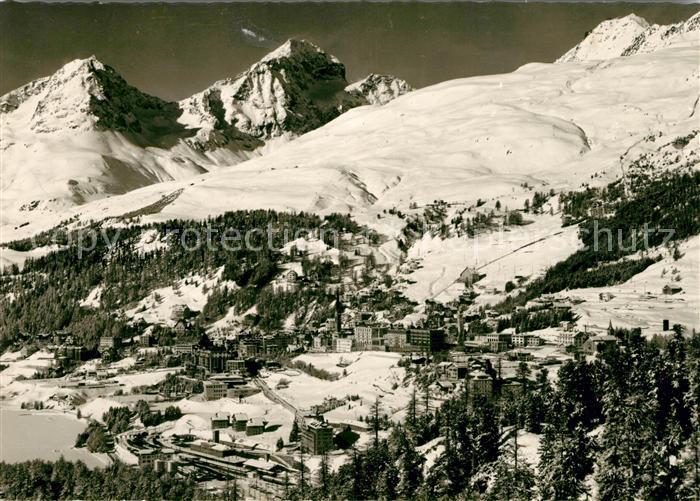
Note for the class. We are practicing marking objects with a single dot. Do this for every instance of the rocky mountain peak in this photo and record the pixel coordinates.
(86, 94)
(629, 35)
(59, 100)
(295, 48)
(379, 89)
(294, 89)
(609, 39)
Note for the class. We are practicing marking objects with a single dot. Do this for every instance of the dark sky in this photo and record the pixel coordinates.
(174, 50)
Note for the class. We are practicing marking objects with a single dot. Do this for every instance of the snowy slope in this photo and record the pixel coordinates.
(191, 291)
(639, 302)
(630, 35)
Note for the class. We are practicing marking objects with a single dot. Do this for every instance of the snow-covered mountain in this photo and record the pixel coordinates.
(294, 89)
(545, 126)
(84, 133)
(630, 35)
(378, 89)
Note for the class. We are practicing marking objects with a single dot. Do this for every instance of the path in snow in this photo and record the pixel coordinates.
(433, 296)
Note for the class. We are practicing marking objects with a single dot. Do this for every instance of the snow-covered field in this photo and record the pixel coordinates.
(97, 407)
(639, 302)
(369, 375)
(43, 435)
(27, 367)
(131, 380)
(198, 413)
(500, 255)
(8, 257)
(17, 385)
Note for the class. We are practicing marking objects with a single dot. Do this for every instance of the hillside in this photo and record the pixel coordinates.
(493, 142)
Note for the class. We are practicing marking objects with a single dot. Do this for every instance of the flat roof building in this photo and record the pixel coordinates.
(317, 437)
(214, 390)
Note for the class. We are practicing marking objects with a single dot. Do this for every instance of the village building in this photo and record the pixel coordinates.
(523, 339)
(597, 344)
(499, 341)
(211, 448)
(396, 339)
(317, 437)
(214, 390)
(250, 348)
(71, 352)
(521, 355)
(368, 337)
(239, 421)
(319, 343)
(148, 457)
(670, 289)
(184, 348)
(255, 426)
(108, 343)
(213, 360)
(263, 467)
(579, 339)
(427, 340)
(566, 338)
(288, 281)
(235, 365)
(469, 276)
(480, 384)
(146, 340)
(219, 420)
(457, 371)
(343, 345)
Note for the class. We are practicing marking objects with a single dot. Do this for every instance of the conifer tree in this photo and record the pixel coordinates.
(564, 463)
(324, 477)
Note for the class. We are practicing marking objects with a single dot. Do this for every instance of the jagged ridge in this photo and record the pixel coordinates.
(294, 89)
(631, 35)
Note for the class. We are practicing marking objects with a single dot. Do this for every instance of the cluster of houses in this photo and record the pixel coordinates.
(473, 374)
(237, 422)
(230, 355)
(316, 435)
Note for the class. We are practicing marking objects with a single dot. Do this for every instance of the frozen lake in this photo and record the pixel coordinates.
(26, 435)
